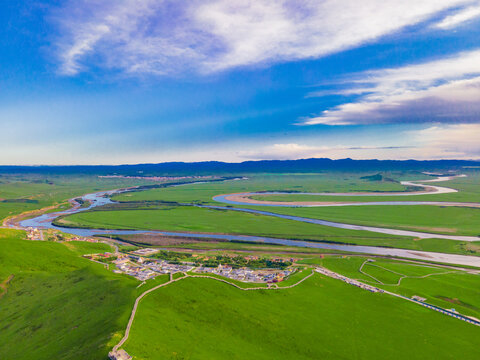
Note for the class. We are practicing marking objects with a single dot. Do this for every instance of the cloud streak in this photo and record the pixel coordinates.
(445, 90)
(165, 36)
(447, 141)
(459, 18)
(453, 141)
(293, 151)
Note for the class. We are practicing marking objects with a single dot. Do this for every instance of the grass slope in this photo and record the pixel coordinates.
(322, 318)
(447, 289)
(59, 305)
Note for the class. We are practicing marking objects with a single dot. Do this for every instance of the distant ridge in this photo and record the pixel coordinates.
(260, 166)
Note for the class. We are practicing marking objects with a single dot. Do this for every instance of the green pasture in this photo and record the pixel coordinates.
(322, 318)
(203, 193)
(30, 192)
(441, 286)
(202, 220)
(423, 218)
(468, 191)
(59, 305)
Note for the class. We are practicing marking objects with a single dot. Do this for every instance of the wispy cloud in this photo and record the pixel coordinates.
(445, 90)
(159, 37)
(463, 16)
(294, 151)
(446, 141)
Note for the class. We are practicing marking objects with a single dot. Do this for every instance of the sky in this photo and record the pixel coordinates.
(148, 81)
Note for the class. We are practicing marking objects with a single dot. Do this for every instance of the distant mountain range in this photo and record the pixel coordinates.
(247, 167)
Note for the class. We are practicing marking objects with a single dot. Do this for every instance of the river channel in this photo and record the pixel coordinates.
(102, 198)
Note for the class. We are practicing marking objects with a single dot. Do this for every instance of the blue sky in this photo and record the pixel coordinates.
(131, 81)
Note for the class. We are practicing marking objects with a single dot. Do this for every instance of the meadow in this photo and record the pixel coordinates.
(20, 193)
(202, 220)
(468, 191)
(434, 219)
(444, 287)
(424, 218)
(58, 305)
(54, 304)
(203, 193)
(322, 318)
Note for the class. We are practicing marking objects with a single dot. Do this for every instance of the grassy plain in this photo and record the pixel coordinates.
(444, 287)
(423, 218)
(201, 220)
(20, 193)
(59, 305)
(468, 191)
(322, 318)
(441, 220)
(203, 193)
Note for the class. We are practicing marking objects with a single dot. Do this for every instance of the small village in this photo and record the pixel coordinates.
(34, 234)
(141, 267)
(246, 274)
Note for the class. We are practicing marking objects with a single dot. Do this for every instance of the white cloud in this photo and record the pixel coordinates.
(454, 141)
(154, 36)
(460, 17)
(446, 90)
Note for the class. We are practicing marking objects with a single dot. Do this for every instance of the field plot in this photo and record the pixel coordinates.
(321, 318)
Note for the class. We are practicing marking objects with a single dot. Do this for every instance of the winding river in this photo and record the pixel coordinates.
(101, 198)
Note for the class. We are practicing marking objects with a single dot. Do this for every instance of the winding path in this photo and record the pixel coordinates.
(137, 301)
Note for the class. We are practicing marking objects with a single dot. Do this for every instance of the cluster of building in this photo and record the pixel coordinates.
(348, 280)
(34, 234)
(142, 269)
(246, 274)
(81, 238)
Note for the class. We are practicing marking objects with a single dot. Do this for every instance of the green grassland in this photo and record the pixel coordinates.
(423, 218)
(202, 220)
(442, 220)
(59, 305)
(468, 191)
(444, 287)
(30, 192)
(203, 193)
(322, 318)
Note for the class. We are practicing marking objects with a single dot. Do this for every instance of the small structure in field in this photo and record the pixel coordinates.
(145, 252)
(119, 355)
